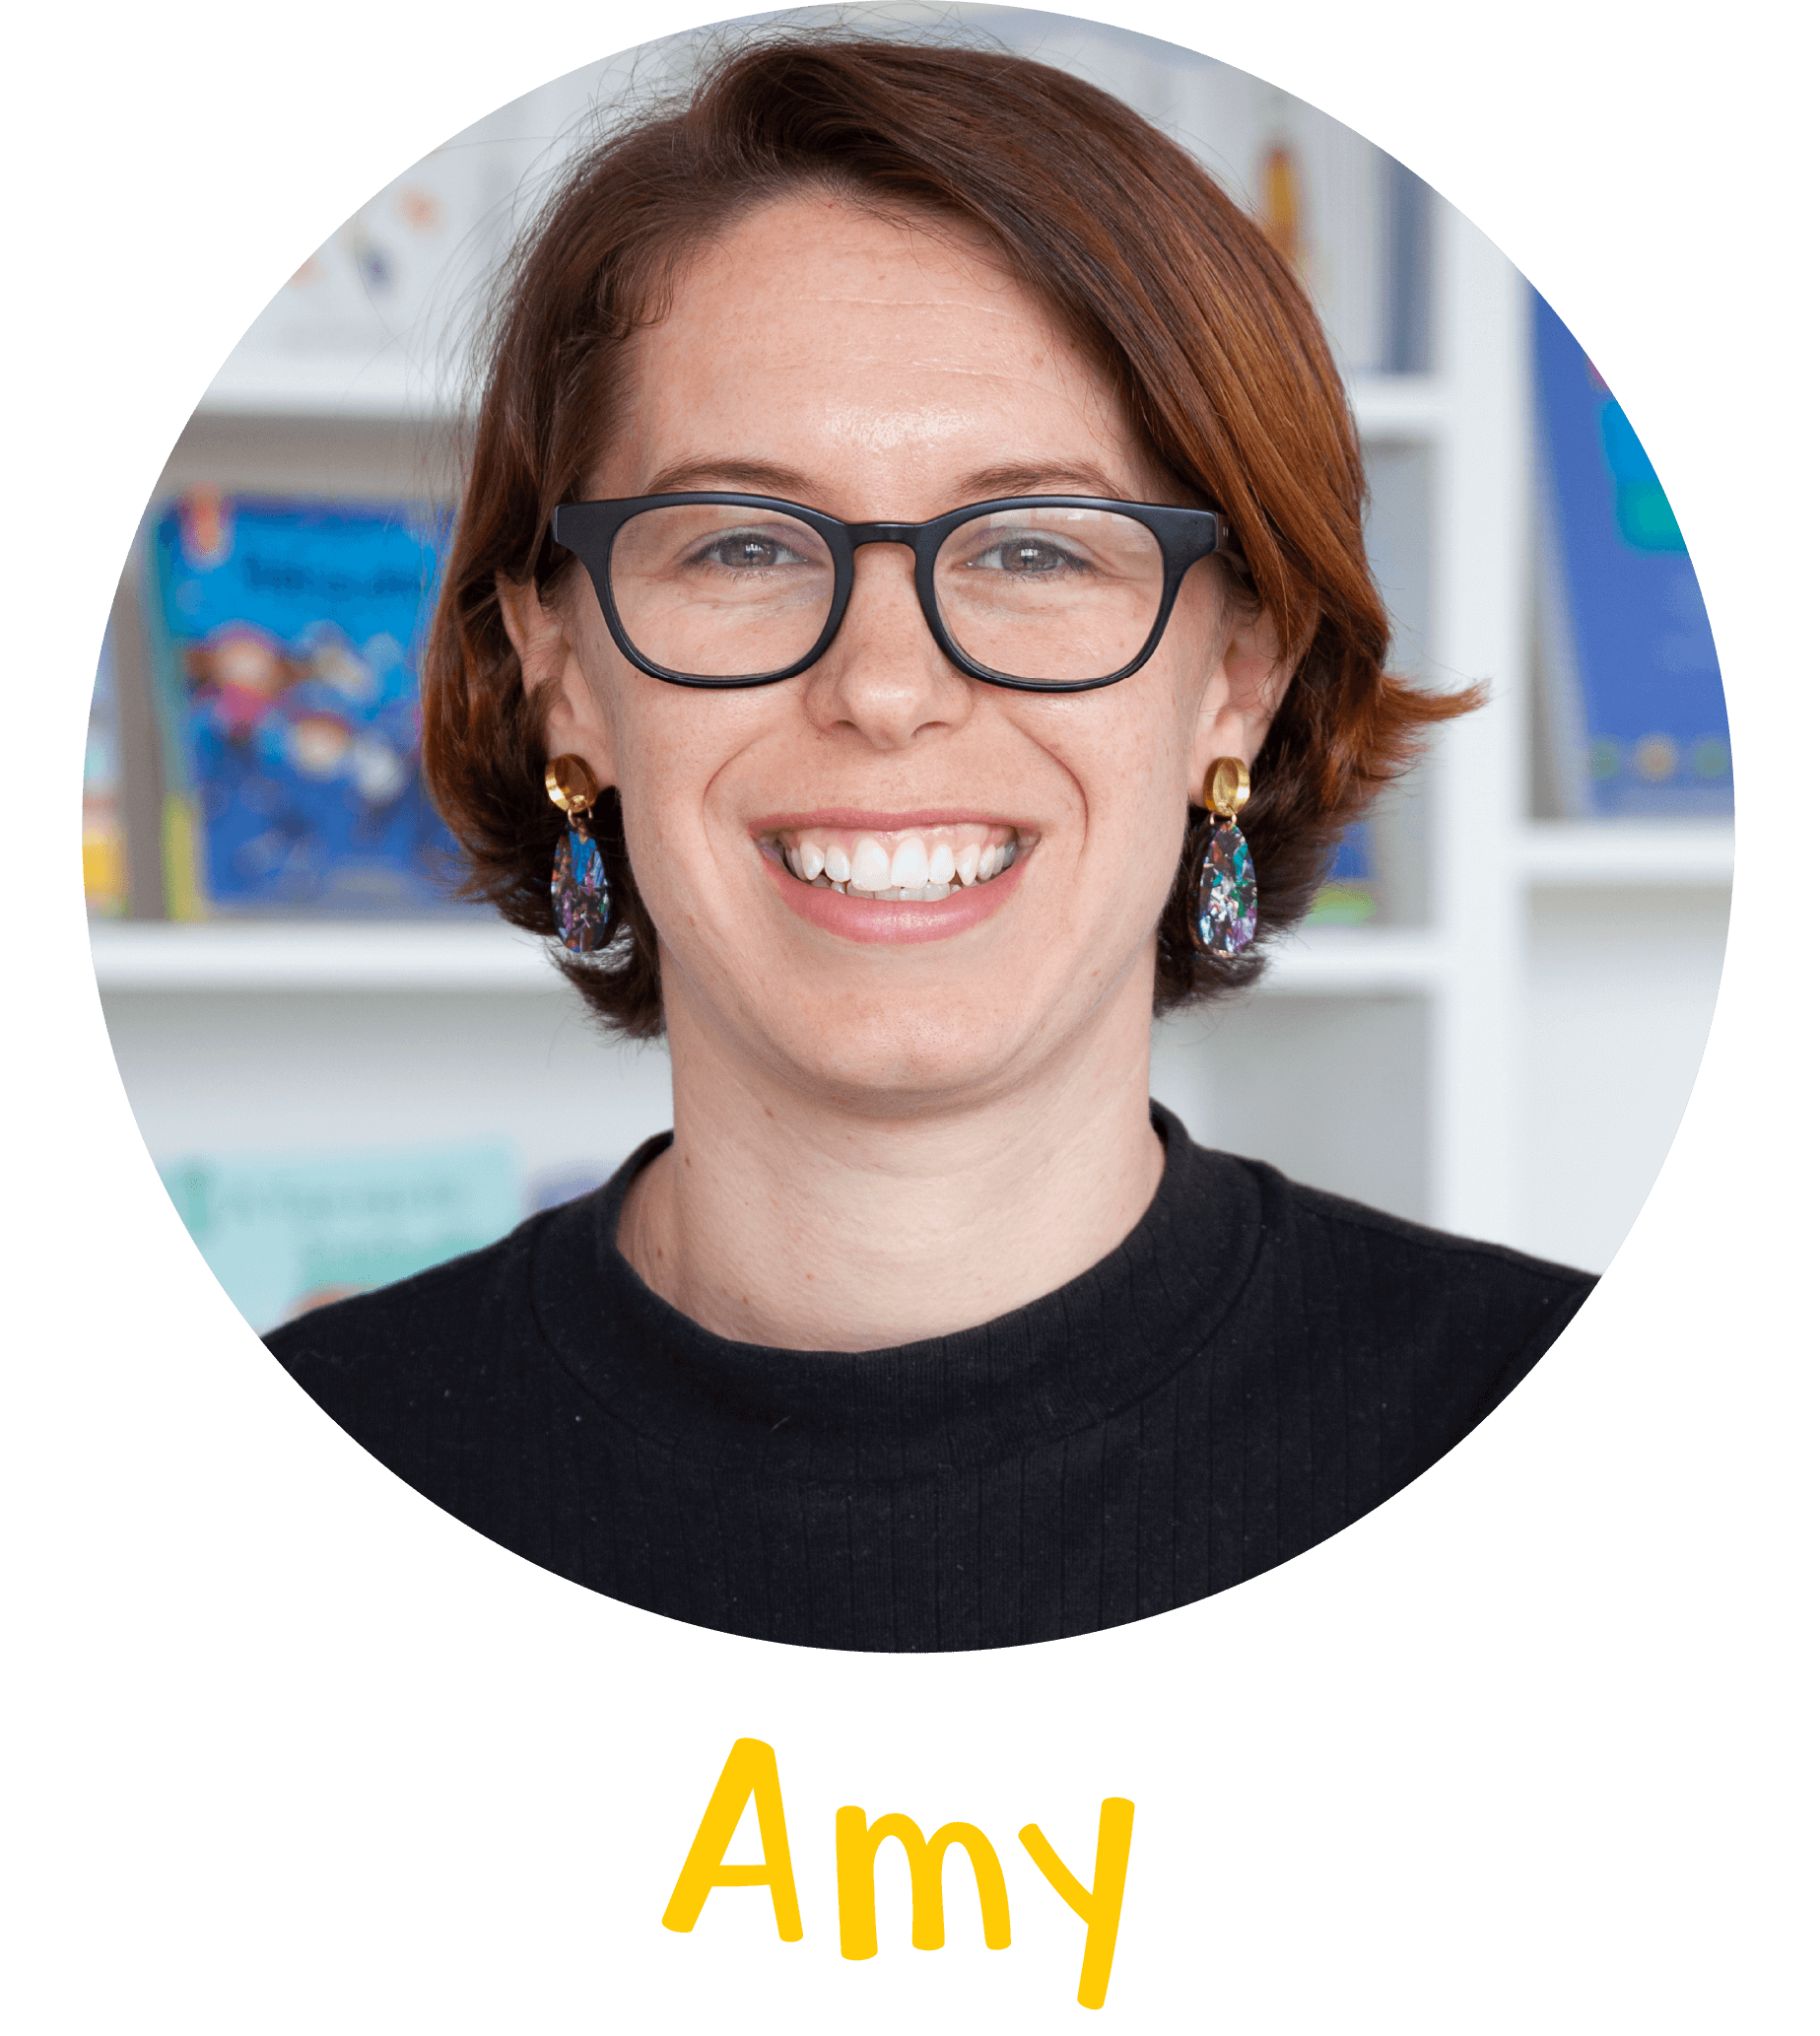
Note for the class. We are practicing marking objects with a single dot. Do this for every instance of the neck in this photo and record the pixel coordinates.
(797, 1222)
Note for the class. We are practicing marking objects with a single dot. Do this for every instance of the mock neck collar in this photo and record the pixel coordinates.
(1059, 1365)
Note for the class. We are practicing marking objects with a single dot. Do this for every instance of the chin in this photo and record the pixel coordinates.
(897, 1069)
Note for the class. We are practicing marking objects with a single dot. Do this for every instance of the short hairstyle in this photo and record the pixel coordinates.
(1162, 280)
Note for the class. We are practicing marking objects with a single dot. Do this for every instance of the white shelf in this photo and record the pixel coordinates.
(269, 955)
(1355, 960)
(388, 386)
(319, 955)
(1393, 407)
(1560, 855)
(376, 388)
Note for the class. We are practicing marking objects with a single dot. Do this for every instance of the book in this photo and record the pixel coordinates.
(105, 885)
(1633, 707)
(1350, 895)
(284, 640)
(287, 1234)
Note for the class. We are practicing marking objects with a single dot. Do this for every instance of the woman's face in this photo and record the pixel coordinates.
(881, 371)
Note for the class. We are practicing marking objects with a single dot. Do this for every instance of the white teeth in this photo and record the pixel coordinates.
(909, 865)
(871, 865)
(913, 870)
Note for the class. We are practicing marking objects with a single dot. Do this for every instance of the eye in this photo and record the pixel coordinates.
(1027, 556)
(748, 550)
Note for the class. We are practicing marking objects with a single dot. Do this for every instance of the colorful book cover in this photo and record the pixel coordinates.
(285, 1235)
(1636, 711)
(104, 825)
(284, 644)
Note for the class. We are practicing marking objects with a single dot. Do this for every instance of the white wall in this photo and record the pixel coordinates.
(1619, 996)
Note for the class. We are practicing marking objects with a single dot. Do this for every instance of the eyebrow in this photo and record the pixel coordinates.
(734, 476)
(984, 484)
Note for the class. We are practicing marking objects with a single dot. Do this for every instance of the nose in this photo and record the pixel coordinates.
(884, 677)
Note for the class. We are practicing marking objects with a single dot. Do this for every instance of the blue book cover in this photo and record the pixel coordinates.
(1636, 712)
(285, 637)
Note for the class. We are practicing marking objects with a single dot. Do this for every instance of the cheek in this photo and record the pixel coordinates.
(1146, 730)
(1128, 757)
(665, 782)
(683, 755)
(1151, 793)
(643, 727)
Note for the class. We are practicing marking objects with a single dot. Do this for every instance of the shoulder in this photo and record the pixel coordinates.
(422, 1310)
(1443, 1326)
(1376, 1237)
(465, 1332)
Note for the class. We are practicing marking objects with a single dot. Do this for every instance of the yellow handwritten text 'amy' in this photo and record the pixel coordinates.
(751, 1776)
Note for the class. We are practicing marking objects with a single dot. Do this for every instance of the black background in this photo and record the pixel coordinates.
(391, 1749)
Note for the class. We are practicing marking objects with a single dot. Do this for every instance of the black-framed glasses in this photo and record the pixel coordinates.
(1050, 594)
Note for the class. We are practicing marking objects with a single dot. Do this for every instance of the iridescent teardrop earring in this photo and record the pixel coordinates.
(579, 894)
(1225, 883)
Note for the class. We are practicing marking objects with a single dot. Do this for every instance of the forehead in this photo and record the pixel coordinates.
(820, 337)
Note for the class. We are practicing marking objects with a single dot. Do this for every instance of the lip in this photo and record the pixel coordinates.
(888, 922)
(882, 823)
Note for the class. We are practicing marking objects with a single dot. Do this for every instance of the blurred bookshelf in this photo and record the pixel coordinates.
(1504, 1046)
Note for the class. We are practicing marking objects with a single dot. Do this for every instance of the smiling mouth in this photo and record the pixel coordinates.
(911, 865)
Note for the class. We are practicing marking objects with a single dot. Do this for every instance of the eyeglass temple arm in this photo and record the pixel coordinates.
(1226, 546)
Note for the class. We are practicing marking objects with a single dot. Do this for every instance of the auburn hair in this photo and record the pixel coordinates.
(1164, 283)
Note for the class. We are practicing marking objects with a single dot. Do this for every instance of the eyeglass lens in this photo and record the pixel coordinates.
(715, 590)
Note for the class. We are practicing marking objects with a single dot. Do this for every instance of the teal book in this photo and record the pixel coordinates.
(285, 1235)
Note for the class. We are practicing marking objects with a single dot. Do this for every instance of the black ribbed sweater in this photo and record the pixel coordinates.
(1256, 1365)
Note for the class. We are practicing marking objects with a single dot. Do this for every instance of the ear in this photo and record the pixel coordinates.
(575, 721)
(1244, 691)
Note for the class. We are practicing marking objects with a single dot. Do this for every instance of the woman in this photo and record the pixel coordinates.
(923, 1329)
